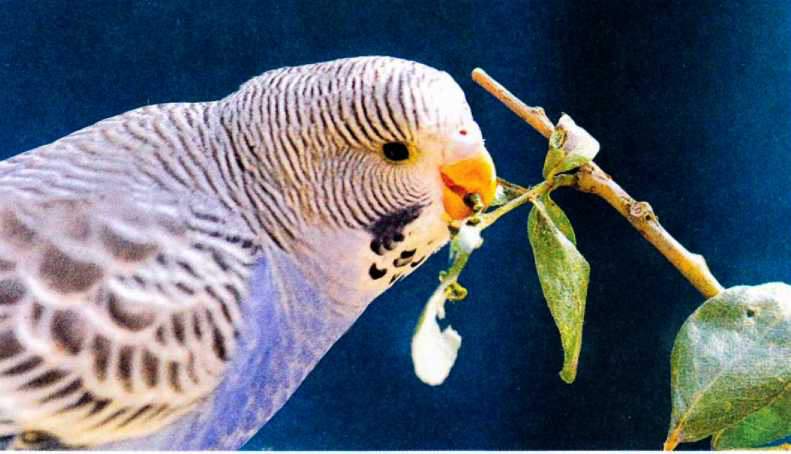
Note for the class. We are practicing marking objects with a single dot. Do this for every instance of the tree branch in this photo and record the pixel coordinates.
(534, 116)
(591, 178)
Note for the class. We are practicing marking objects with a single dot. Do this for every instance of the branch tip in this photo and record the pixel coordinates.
(534, 116)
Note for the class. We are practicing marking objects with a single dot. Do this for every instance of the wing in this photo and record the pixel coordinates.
(292, 326)
(116, 318)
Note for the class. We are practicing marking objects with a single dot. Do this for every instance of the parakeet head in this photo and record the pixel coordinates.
(366, 160)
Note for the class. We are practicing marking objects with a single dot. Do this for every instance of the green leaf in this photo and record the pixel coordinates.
(569, 147)
(765, 426)
(730, 368)
(559, 218)
(563, 273)
(555, 154)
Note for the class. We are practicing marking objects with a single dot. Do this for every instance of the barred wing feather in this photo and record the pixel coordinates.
(114, 320)
(274, 354)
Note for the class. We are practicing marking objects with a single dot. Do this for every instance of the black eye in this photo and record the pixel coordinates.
(395, 151)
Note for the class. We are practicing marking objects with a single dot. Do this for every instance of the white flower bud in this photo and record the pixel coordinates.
(469, 238)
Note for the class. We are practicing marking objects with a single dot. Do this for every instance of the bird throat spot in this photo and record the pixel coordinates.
(389, 230)
(387, 233)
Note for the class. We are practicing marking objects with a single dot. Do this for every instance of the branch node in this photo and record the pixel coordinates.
(700, 260)
(642, 211)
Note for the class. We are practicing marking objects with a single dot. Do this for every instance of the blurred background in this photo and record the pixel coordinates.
(691, 102)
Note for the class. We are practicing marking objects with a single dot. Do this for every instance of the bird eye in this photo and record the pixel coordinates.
(395, 151)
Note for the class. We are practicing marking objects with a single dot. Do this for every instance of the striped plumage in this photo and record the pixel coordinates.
(128, 249)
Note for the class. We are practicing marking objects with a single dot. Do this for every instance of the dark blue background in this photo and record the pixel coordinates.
(691, 102)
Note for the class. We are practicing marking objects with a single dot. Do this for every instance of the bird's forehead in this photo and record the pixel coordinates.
(426, 98)
(442, 93)
(446, 104)
(398, 99)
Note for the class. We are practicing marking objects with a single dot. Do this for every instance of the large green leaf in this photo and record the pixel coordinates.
(731, 368)
(563, 273)
(766, 425)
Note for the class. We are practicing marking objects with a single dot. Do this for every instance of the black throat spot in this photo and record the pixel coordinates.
(389, 229)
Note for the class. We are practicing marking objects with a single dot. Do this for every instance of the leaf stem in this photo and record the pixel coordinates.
(524, 195)
(591, 178)
(672, 440)
(459, 262)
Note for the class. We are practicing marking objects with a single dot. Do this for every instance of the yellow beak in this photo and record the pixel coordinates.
(475, 175)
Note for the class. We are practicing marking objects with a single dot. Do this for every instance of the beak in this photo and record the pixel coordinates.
(471, 175)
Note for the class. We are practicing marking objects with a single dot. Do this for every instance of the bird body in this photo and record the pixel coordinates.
(169, 276)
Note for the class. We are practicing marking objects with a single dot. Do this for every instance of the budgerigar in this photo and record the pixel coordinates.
(169, 276)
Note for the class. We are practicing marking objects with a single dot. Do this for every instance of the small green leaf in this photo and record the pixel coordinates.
(555, 154)
(563, 273)
(569, 147)
(730, 369)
